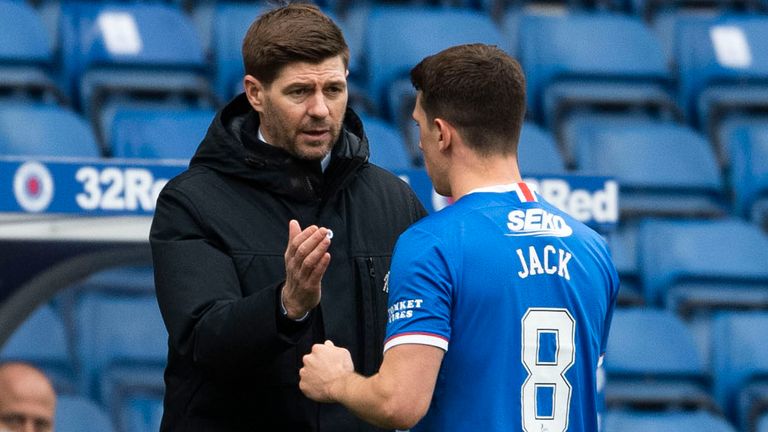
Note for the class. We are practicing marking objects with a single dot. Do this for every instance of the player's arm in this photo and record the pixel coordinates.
(397, 397)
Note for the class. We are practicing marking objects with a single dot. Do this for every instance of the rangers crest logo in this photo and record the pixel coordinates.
(33, 187)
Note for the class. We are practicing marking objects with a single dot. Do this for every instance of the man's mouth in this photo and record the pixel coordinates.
(317, 133)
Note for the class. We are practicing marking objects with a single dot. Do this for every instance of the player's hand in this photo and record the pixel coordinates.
(324, 371)
(306, 259)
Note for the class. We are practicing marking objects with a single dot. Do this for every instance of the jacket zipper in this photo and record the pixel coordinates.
(375, 309)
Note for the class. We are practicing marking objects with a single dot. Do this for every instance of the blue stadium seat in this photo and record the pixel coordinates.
(739, 360)
(26, 55)
(118, 54)
(510, 28)
(230, 25)
(703, 264)
(158, 133)
(748, 149)
(143, 413)
(700, 268)
(397, 38)
(677, 422)
(537, 153)
(79, 414)
(752, 405)
(51, 131)
(651, 9)
(353, 25)
(667, 23)
(498, 8)
(652, 362)
(574, 62)
(386, 144)
(664, 169)
(122, 346)
(623, 245)
(42, 341)
(135, 398)
(723, 66)
(133, 279)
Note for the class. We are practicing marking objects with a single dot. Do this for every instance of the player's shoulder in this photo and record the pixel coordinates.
(574, 228)
(444, 220)
(429, 231)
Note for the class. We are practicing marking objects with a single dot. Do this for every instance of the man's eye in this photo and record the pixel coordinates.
(299, 92)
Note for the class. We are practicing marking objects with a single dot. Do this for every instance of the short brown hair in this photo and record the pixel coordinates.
(480, 90)
(288, 34)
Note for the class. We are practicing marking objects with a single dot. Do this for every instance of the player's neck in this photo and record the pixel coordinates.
(471, 172)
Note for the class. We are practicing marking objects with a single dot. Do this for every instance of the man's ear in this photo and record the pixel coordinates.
(254, 91)
(447, 134)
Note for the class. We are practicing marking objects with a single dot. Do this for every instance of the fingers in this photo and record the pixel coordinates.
(297, 236)
(313, 272)
(307, 250)
(318, 239)
(312, 250)
(294, 229)
(306, 261)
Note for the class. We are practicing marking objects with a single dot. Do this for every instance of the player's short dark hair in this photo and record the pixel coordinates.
(288, 34)
(477, 88)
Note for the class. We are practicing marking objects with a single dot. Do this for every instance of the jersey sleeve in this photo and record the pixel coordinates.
(419, 303)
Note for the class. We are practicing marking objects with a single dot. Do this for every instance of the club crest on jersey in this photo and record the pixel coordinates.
(537, 222)
(386, 283)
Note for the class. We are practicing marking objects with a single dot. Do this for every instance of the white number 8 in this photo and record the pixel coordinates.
(547, 375)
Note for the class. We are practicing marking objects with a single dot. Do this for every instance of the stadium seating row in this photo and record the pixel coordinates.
(692, 266)
(116, 364)
(105, 56)
(653, 362)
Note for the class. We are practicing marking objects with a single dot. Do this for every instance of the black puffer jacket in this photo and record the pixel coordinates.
(218, 239)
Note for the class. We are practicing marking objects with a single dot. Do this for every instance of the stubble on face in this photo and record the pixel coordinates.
(292, 140)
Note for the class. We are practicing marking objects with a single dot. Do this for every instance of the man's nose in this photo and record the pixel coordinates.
(318, 106)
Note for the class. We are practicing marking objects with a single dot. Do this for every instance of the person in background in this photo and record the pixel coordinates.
(500, 304)
(27, 399)
(278, 236)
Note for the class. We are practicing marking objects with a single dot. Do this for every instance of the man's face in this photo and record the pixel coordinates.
(303, 108)
(27, 406)
(434, 160)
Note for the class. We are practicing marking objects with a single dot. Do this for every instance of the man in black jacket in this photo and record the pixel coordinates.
(243, 289)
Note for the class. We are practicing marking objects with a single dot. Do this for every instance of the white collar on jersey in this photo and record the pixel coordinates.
(523, 190)
(496, 188)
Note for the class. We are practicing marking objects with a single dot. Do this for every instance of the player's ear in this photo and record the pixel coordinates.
(447, 134)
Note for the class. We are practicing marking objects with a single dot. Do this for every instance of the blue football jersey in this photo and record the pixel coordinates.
(520, 296)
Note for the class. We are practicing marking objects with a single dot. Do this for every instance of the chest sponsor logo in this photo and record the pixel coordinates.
(537, 222)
